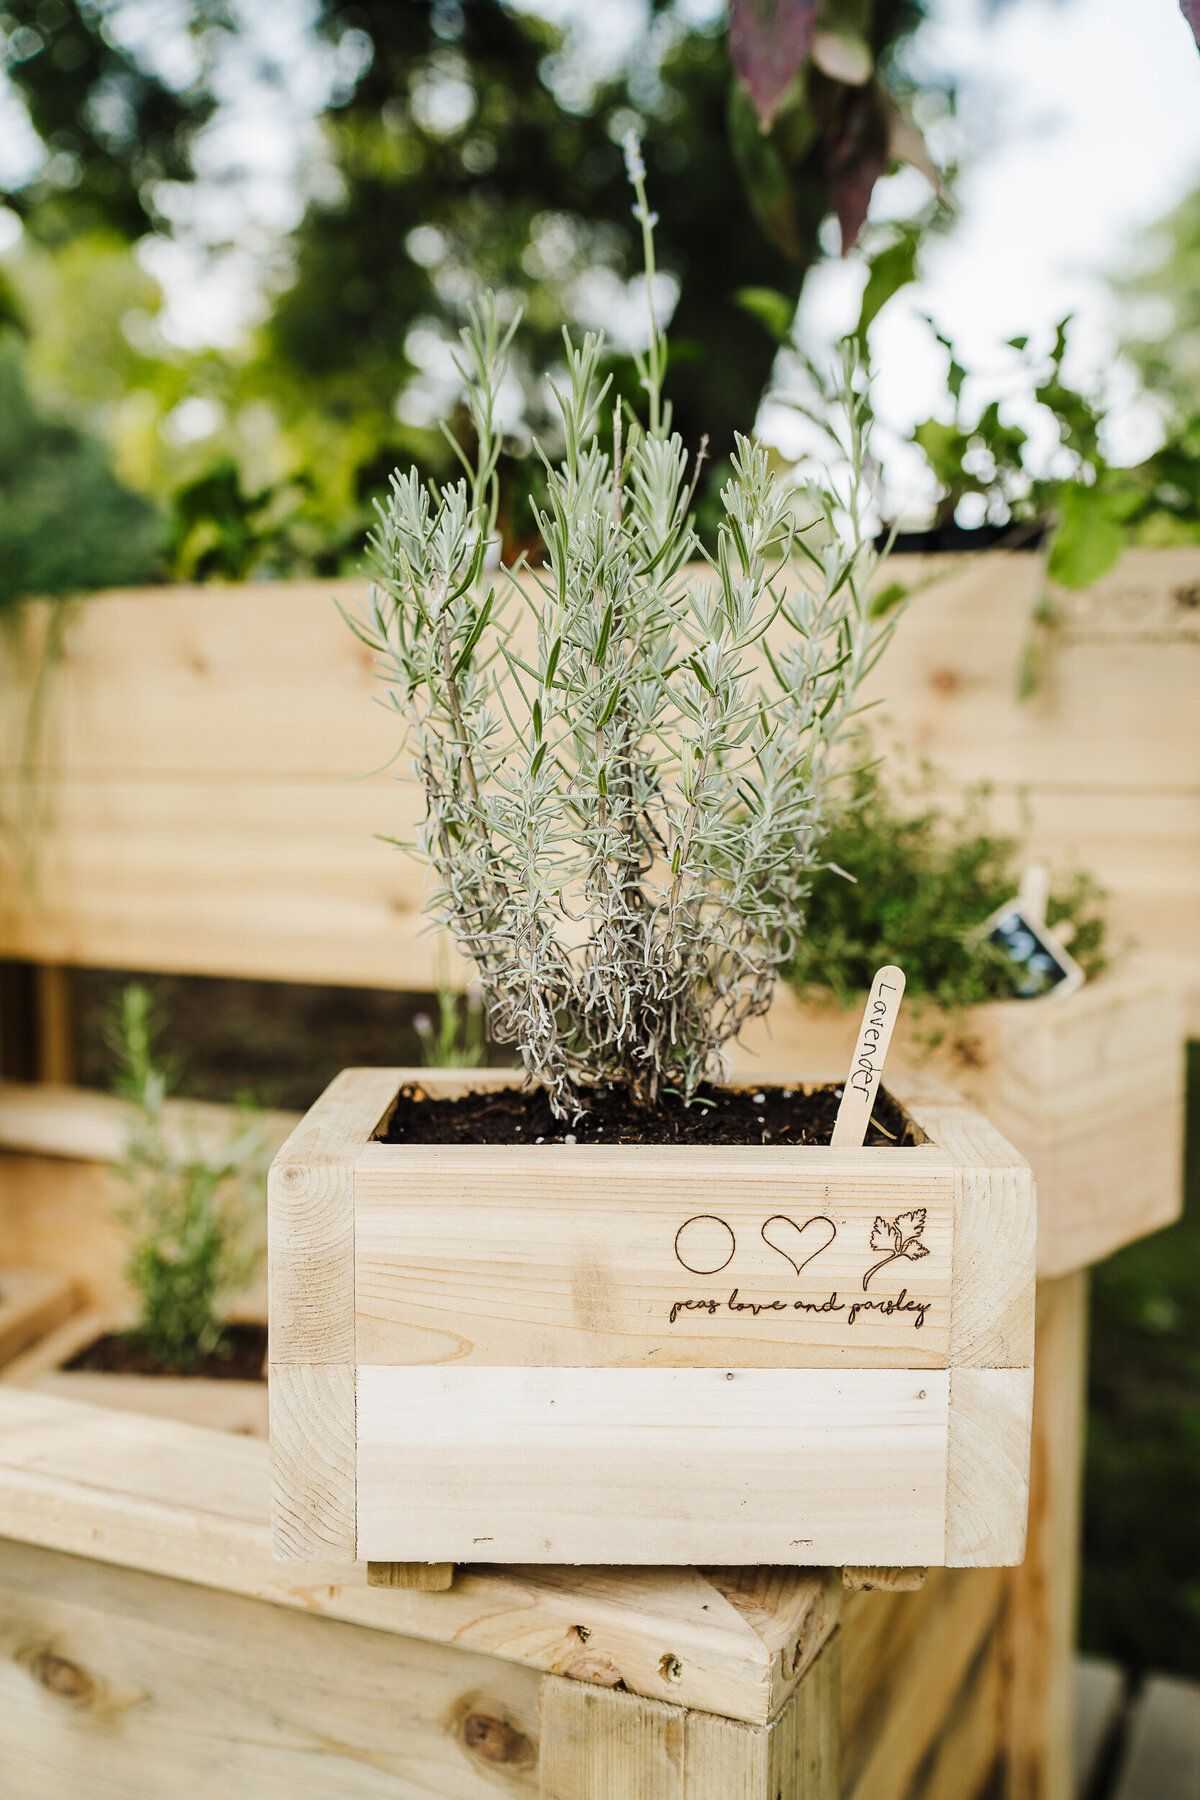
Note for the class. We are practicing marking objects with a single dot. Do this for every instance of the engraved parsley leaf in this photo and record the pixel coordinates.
(884, 1235)
(911, 1224)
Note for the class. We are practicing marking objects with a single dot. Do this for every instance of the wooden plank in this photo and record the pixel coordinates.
(987, 1467)
(310, 1278)
(426, 1578)
(795, 1757)
(310, 1245)
(199, 817)
(905, 1660)
(80, 1124)
(753, 1255)
(652, 1465)
(32, 1302)
(1162, 1751)
(597, 1744)
(118, 1683)
(995, 1225)
(962, 1762)
(792, 1611)
(174, 1500)
(313, 1476)
(1040, 1625)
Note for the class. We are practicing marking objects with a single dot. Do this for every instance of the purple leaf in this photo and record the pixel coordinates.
(768, 41)
(857, 157)
(1191, 12)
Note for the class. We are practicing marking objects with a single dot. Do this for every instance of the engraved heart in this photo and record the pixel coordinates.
(799, 1243)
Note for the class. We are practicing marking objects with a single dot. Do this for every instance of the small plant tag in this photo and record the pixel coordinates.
(874, 1036)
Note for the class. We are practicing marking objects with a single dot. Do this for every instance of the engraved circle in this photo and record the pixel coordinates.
(705, 1244)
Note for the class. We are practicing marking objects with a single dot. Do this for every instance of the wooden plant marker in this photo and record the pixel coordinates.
(874, 1036)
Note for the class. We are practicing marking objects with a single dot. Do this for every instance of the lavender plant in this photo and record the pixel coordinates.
(626, 766)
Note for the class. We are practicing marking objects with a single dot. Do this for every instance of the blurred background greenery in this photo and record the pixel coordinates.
(454, 146)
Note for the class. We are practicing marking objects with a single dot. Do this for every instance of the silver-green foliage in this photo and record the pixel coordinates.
(195, 1208)
(626, 768)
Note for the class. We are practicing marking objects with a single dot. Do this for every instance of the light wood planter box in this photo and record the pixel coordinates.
(238, 1406)
(647, 1355)
(1089, 1087)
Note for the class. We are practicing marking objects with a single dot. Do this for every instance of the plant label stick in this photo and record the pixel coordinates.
(874, 1036)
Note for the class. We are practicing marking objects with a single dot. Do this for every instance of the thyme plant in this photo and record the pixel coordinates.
(193, 1210)
(626, 765)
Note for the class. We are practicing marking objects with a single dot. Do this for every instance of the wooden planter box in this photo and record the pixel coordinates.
(1089, 1087)
(239, 1406)
(516, 1354)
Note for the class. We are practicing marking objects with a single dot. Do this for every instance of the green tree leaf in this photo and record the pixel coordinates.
(1089, 537)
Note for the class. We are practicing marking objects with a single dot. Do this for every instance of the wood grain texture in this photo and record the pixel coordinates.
(907, 1662)
(310, 1220)
(1039, 1693)
(657, 1254)
(313, 1461)
(426, 1578)
(793, 1611)
(115, 1684)
(987, 1471)
(795, 1757)
(194, 1505)
(995, 1227)
(597, 1744)
(883, 1581)
(199, 817)
(652, 1465)
(965, 1759)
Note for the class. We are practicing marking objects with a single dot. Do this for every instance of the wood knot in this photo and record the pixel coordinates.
(946, 681)
(292, 1178)
(64, 1679)
(495, 1741)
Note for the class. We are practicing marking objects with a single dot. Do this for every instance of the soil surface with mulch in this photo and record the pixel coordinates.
(768, 1115)
(240, 1357)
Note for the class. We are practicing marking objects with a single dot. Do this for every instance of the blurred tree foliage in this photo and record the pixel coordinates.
(67, 524)
(468, 151)
(1090, 506)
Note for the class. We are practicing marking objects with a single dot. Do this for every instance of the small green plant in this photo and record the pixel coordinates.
(194, 1213)
(455, 1040)
(924, 881)
(627, 787)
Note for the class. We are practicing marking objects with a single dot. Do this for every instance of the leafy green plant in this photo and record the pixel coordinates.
(193, 1214)
(67, 526)
(1091, 506)
(924, 880)
(622, 806)
(455, 1039)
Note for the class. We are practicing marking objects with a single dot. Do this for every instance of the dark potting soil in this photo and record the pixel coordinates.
(240, 1357)
(717, 1115)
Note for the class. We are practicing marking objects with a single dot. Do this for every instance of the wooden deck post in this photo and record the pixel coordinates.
(1040, 1619)
(601, 1744)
